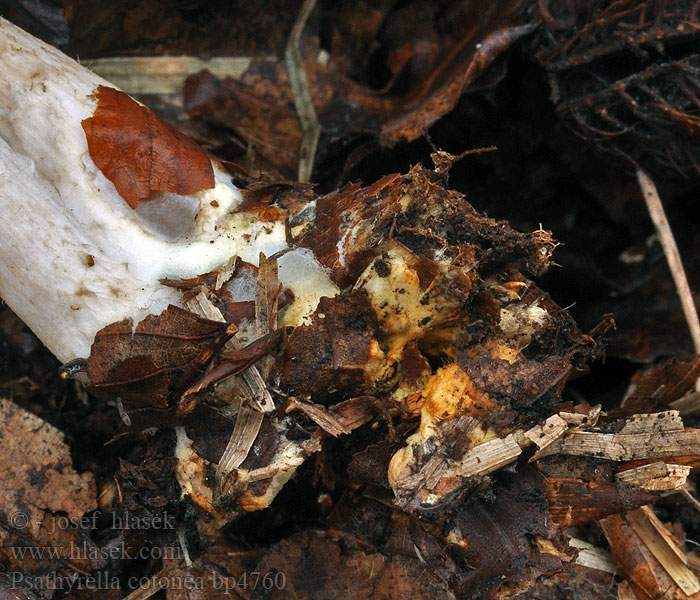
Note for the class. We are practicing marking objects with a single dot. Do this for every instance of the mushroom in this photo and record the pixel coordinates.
(75, 256)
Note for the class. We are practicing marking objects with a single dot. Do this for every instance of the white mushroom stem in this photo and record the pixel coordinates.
(74, 256)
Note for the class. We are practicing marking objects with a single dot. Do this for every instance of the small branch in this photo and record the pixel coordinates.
(302, 96)
(673, 257)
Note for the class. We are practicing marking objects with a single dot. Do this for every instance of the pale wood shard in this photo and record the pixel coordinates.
(248, 423)
(489, 456)
(657, 476)
(547, 433)
(578, 419)
(248, 420)
(163, 74)
(652, 436)
(480, 460)
(226, 272)
(593, 557)
(252, 381)
(267, 288)
(664, 548)
(319, 415)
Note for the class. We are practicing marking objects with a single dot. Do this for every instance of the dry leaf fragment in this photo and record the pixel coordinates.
(140, 153)
(163, 352)
(232, 362)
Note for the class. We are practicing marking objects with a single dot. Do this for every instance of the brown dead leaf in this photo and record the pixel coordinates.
(439, 69)
(663, 384)
(163, 352)
(140, 153)
(232, 362)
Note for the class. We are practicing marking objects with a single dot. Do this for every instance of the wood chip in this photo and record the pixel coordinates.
(162, 74)
(577, 419)
(657, 476)
(652, 436)
(662, 545)
(550, 431)
(593, 557)
(319, 415)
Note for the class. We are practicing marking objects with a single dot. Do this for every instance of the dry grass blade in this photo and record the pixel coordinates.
(163, 74)
(673, 257)
(243, 436)
(253, 382)
(302, 96)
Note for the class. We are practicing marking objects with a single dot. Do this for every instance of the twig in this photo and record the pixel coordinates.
(302, 96)
(690, 498)
(673, 257)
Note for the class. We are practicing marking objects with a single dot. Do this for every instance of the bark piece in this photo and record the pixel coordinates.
(328, 357)
(663, 384)
(42, 503)
(575, 502)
